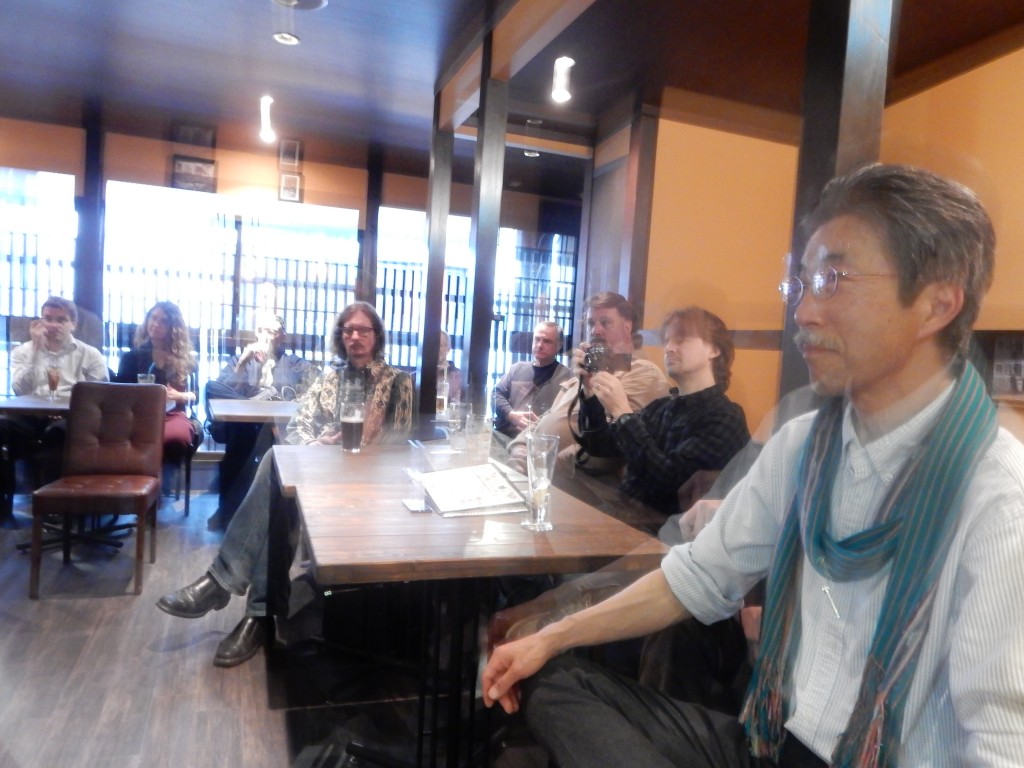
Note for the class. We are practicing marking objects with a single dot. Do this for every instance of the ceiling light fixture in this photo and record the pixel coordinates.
(533, 125)
(560, 80)
(267, 134)
(284, 22)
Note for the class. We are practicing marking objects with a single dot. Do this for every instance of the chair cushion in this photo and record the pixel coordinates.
(94, 494)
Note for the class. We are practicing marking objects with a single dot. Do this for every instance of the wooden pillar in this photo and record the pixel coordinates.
(89, 243)
(439, 195)
(844, 96)
(489, 169)
(636, 237)
(366, 272)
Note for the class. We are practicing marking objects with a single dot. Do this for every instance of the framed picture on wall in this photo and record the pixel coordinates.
(290, 188)
(290, 153)
(199, 135)
(193, 173)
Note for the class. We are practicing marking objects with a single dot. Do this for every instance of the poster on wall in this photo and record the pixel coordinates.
(193, 173)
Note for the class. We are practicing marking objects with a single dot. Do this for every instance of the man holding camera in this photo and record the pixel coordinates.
(610, 321)
(697, 427)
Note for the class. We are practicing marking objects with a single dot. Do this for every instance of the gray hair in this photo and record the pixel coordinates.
(935, 229)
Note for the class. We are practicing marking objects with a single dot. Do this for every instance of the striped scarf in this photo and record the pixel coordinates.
(917, 520)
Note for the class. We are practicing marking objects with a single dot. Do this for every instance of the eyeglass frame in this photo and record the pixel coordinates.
(819, 284)
(362, 331)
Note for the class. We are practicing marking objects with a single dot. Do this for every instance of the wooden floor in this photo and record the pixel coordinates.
(92, 675)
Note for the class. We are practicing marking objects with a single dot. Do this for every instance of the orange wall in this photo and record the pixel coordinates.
(720, 227)
(972, 129)
(40, 147)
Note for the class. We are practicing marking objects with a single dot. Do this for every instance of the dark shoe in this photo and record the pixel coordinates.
(243, 642)
(197, 599)
(216, 522)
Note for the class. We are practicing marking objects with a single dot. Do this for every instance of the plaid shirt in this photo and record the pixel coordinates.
(670, 439)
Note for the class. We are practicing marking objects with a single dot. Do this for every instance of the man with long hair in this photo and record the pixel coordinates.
(241, 565)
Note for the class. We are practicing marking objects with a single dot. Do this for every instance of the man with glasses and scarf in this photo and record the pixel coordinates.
(890, 525)
(241, 565)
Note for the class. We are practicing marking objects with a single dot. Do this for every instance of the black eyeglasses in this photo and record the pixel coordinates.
(823, 284)
(348, 331)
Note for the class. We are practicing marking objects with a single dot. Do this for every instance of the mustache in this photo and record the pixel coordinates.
(805, 338)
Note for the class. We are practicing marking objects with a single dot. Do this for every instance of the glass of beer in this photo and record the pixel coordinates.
(541, 452)
(352, 414)
(442, 397)
(53, 368)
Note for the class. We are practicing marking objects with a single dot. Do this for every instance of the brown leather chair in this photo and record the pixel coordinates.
(112, 460)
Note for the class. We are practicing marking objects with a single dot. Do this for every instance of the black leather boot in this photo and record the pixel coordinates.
(197, 599)
(243, 642)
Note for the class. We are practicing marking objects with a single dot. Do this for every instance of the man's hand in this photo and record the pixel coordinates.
(522, 419)
(508, 665)
(254, 351)
(330, 438)
(696, 517)
(611, 393)
(576, 363)
(37, 332)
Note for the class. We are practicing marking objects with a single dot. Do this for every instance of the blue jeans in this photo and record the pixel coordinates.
(243, 562)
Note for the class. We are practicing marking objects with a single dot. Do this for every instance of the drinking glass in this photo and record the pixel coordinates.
(352, 415)
(457, 413)
(353, 412)
(146, 378)
(478, 437)
(441, 404)
(541, 452)
(53, 368)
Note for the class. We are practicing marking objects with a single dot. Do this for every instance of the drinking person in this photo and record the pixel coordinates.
(240, 567)
(163, 349)
(51, 353)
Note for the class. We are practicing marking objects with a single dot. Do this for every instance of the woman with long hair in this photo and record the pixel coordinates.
(163, 348)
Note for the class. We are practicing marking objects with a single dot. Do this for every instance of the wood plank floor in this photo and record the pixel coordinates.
(92, 675)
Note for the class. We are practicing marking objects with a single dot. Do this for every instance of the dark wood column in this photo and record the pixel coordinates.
(366, 279)
(488, 175)
(844, 96)
(636, 238)
(89, 243)
(439, 195)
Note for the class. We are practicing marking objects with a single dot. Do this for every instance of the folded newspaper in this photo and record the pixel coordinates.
(477, 490)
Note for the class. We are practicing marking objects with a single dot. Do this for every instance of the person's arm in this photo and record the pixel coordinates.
(986, 655)
(400, 405)
(127, 368)
(645, 606)
(94, 367)
(27, 373)
(307, 423)
(662, 457)
(502, 392)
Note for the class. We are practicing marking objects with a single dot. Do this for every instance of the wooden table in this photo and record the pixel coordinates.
(34, 405)
(358, 530)
(252, 411)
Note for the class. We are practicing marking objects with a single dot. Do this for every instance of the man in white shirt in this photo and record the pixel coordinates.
(52, 350)
(890, 522)
(53, 346)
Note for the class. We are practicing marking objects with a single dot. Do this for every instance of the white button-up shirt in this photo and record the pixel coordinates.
(966, 702)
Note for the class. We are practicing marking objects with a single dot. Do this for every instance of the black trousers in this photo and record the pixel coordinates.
(587, 717)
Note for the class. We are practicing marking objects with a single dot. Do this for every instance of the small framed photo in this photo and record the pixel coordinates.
(198, 135)
(290, 153)
(290, 188)
(193, 173)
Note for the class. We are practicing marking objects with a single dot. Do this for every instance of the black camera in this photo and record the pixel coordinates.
(598, 357)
